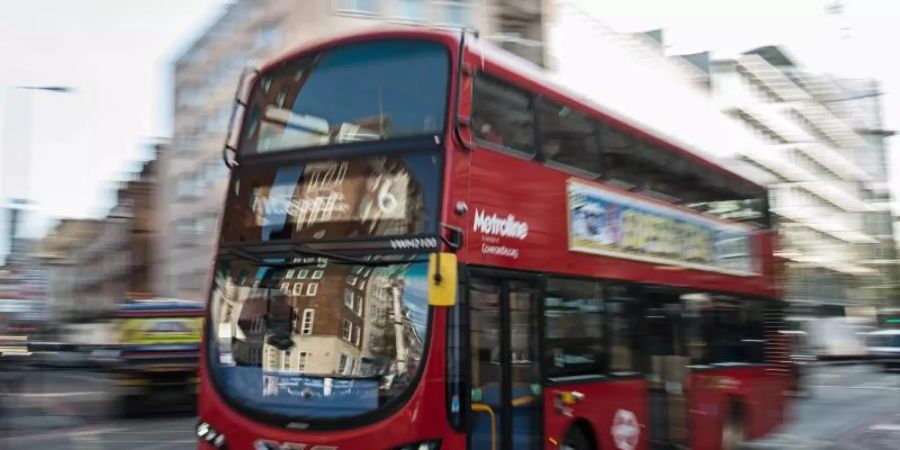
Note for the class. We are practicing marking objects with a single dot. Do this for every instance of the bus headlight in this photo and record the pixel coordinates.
(209, 434)
(427, 445)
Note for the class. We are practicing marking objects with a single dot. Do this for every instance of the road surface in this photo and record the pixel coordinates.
(854, 407)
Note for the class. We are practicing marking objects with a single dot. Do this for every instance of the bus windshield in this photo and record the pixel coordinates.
(359, 92)
(312, 338)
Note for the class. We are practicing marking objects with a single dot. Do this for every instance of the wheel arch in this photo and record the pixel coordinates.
(587, 429)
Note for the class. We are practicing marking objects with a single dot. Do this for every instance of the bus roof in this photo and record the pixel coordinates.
(542, 80)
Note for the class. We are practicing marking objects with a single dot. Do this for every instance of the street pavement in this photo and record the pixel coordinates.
(68, 409)
(852, 407)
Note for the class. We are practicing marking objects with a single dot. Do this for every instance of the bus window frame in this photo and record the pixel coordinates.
(437, 137)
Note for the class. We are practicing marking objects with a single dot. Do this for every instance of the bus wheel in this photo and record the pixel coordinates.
(575, 440)
(733, 429)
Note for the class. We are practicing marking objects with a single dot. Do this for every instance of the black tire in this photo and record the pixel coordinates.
(576, 439)
(733, 433)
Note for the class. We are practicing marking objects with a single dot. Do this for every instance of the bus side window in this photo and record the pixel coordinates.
(724, 329)
(622, 325)
(503, 115)
(573, 330)
(569, 138)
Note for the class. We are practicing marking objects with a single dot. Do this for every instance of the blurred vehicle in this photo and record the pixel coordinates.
(801, 361)
(153, 356)
(59, 355)
(884, 348)
(836, 339)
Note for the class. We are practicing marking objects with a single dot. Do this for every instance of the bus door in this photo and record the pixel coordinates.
(505, 400)
(666, 368)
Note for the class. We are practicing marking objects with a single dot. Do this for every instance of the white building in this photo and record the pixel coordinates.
(820, 193)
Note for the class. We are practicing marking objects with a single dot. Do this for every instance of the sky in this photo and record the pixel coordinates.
(117, 55)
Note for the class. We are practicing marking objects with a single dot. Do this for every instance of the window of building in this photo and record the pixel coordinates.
(268, 37)
(569, 137)
(286, 362)
(347, 330)
(455, 12)
(342, 363)
(348, 298)
(302, 358)
(503, 115)
(573, 317)
(272, 358)
(358, 306)
(185, 186)
(308, 319)
(357, 6)
(410, 10)
(312, 289)
(357, 332)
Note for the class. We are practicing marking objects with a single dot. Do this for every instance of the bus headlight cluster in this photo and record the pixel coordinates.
(428, 445)
(209, 434)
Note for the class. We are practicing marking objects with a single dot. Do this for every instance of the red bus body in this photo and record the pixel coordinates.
(487, 180)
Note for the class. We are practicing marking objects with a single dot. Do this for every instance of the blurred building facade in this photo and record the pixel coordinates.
(96, 264)
(828, 182)
(252, 32)
(817, 143)
(56, 252)
(23, 281)
(859, 102)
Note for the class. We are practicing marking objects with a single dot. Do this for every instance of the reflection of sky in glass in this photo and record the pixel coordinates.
(415, 296)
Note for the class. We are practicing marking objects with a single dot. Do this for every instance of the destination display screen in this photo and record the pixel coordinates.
(335, 199)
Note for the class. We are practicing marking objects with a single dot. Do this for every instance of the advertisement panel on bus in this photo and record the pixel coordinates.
(603, 222)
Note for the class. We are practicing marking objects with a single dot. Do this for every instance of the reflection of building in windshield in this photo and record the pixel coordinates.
(321, 319)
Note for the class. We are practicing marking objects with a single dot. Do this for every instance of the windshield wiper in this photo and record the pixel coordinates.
(306, 251)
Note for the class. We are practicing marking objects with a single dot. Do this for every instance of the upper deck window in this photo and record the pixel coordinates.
(359, 92)
(503, 115)
(569, 137)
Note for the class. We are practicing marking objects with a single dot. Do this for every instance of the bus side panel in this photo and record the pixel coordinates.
(713, 392)
(536, 198)
(605, 405)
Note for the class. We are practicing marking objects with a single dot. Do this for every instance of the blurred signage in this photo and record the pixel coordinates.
(607, 223)
(162, 330)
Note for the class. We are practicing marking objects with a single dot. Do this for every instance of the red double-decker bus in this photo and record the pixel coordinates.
(427, 244)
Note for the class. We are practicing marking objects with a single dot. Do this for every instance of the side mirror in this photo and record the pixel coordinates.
(442, 279)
